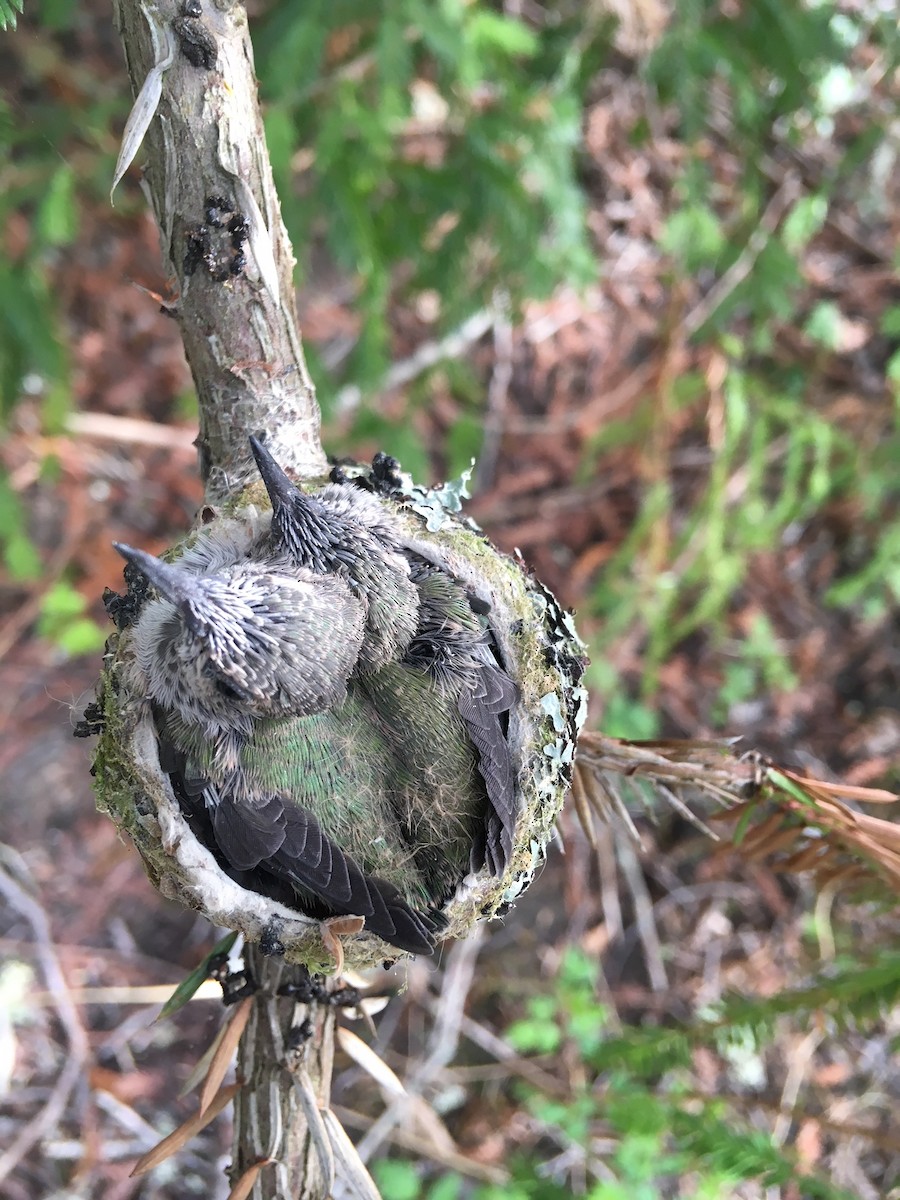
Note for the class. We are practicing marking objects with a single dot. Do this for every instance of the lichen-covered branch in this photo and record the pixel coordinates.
(223, 242)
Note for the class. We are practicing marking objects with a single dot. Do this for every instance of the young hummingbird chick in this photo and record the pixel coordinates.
(428, 670)
(279, 764)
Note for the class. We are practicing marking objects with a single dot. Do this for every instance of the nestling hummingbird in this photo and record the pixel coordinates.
(331, 711)
(428, 667)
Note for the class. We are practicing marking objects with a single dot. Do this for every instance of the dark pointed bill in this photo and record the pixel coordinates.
(281, 490)
(171, 581)
(177, 585)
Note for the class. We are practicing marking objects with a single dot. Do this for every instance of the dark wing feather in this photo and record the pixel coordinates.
(267, 843)
(247, 833)
(484, 707)
(309, 858)
(452, 645)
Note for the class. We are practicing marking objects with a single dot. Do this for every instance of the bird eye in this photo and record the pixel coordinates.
(228, 690)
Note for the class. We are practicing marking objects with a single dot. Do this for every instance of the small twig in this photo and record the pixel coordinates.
(125, 1116)
(318, 1132)
(788, 192)
(428, 355)
(73, 1068)
(498, 395)
(515, 1064)
(795, 822)
(407, 1140)
(609, 883)
(643, 913)
(185, 1132)
(224, 1053)
(458, 975)
(354, 1176)
(150, 994)
(130, 430)
(798, 1065)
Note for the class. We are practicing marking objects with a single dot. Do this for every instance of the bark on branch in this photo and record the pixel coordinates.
(206, 142)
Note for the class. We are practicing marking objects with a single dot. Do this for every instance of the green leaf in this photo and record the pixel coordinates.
(397, 1179)
(803, 222)
(533, 1037)
(448, 1187)
(787, 785)
(62, 601)
(489, 31)
(56, 406)
(578, 971)
(627, 718)
(61, 621)
(60, 14)
(57, 215)
(508, 1191)
(694, 236)
(191, 982)
(464, 440)
(22, 560)
(83, 636)
(824, 325)
(890, 321)
(281, 138)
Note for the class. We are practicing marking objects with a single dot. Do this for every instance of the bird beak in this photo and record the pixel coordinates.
(170, 581)
(281, 491)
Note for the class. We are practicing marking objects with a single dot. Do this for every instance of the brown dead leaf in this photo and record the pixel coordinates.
(128, 1087)
(244, 1185)
(182, 1135)
(809, 1143)
(225, 1052)
(832, 1074)
(844, 790)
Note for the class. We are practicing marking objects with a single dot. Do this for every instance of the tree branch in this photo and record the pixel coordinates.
(205, 141)
(285, 1059)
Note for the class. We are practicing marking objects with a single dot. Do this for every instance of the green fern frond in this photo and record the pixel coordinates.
(711, 1138)
(850, 992)
(645, 1052)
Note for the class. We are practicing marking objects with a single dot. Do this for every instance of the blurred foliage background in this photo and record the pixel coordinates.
(640, 262)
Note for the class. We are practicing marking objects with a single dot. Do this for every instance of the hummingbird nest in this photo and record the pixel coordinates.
(533, 640)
